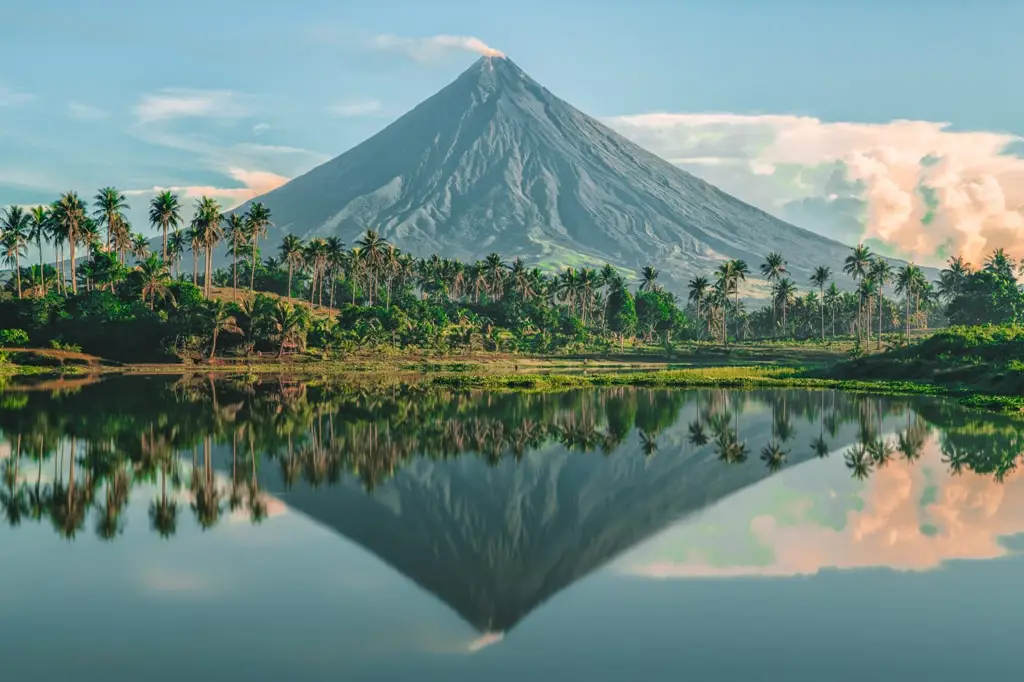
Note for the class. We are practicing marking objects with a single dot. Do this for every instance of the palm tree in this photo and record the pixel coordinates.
(494, 272)
(772, 269)
(908, 280)
(207, 224)
(288, 321)
(70, 216)
(291, 253)
(952, 277)
(155, 277)
(785, 292)
(110, 207)
(856, 266)
(257, 220)
(880, 273)
(139, 247)
(371, 254)
(822, 274)
(239, 237)
(15, 227)
(832, 298)
(999, 263)
(649, 279)
(39, 231)
(165, 213)
(698, 288)
(175, 248)
(334, 260)
(221, 319)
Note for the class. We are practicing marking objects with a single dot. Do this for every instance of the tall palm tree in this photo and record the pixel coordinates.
(880, 273)
(175, 248)
(39, 232)
(908, 281)
(238, 236)
(207, 220)
(649, 279)
(165, 213)
(772, 269)
(1000, 263)
(821, 276)
(785, 292)
(257, 219)
(195, 245)
(110, 208)
(952, 277)
(730, 274)
(154, 276)
(70, 215)
(15, 227)
(139, 247)
(698, 292)
(494, 272)
(291, 253)
(334, 260)
(856, 266)
(371, 253)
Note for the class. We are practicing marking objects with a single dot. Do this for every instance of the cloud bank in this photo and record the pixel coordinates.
(919, 187)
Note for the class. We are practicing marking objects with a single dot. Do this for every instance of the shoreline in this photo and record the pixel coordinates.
(530, 375)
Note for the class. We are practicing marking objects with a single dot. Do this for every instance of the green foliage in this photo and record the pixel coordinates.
(987, 297)
(13, 338)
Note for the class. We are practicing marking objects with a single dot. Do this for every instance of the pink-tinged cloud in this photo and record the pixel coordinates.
(976, 183)
(964, 520)
(254, 184)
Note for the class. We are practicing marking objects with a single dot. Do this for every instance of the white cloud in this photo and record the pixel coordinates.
(433, 47)
(355, 107)
(260, 128)
(917, 186)
(85, 112)
(13, 98)
(171, 103)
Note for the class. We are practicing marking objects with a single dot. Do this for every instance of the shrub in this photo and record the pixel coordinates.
(12, 338)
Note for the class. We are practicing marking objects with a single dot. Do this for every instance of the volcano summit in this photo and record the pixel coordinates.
(495, 162)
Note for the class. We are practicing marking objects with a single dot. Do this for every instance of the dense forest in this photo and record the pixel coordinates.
(78, 454)
(108, 293)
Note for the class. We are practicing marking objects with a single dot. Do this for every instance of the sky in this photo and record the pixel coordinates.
(894, 121)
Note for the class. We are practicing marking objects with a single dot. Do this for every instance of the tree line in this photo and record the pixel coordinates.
(373, 293)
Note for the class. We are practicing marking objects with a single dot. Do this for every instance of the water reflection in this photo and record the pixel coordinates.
(496, 501)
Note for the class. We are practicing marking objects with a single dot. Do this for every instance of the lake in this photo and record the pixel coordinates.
(159, 528)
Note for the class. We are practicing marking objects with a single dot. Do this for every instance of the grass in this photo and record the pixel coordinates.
(969, 366)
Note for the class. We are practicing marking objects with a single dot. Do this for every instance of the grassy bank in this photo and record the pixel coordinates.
(970, 367)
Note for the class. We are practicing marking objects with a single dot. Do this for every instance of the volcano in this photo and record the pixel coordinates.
(496, 163)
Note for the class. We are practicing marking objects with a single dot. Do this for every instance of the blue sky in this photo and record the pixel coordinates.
(235, 96)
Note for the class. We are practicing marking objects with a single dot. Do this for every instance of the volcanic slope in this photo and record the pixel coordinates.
(496, 163)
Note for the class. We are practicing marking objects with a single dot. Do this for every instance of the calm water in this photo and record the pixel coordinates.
(159, 529)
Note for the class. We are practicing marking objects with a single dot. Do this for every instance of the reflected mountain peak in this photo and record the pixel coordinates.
(492, 502)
